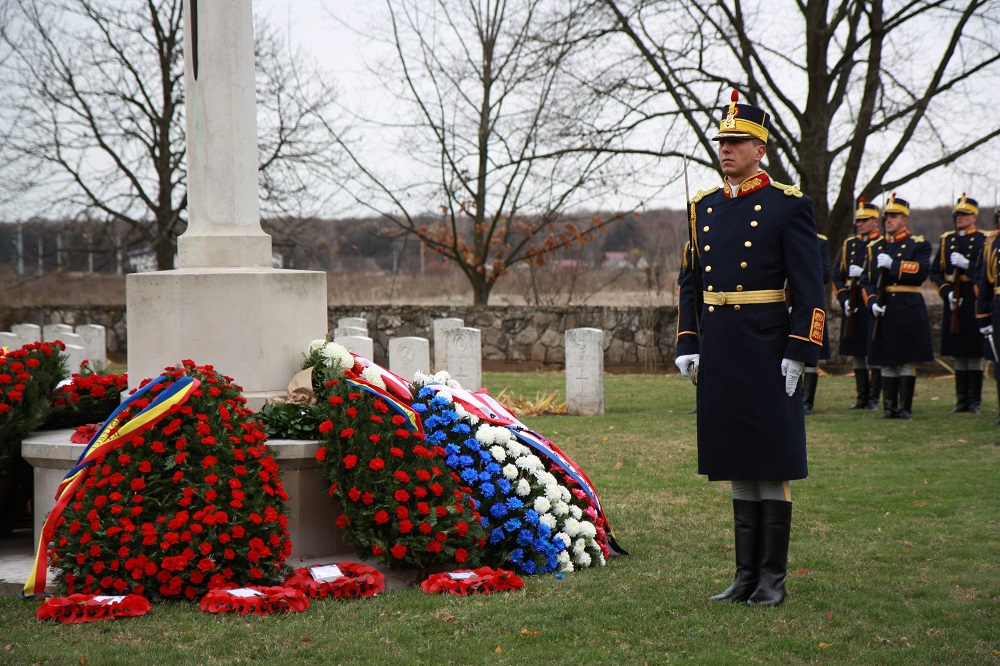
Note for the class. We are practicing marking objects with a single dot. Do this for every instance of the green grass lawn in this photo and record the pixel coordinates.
(895, 559)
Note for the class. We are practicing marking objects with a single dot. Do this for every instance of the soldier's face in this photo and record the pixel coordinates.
(866, 225)
(895, 222)
(739, 158)
(964, 220)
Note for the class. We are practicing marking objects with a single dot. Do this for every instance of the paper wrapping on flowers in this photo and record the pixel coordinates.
(356, 581)
(255, 600)
(80, 608)
(299, 390)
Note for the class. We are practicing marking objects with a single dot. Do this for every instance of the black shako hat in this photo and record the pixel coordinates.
(742, 121)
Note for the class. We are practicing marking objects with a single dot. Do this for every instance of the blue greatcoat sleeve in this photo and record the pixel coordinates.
(804, 268)
(687, 327)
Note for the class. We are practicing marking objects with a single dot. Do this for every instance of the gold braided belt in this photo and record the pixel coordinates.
(902, 289)
(744, 297)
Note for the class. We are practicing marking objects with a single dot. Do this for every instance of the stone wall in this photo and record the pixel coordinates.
(636, 339)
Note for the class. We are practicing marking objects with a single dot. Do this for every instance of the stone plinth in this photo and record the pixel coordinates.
(312, 515)
(251, 324)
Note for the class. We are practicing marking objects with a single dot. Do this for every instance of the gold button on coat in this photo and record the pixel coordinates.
(739, 287)
(743, 265)
(736, 307)
(708, 269)
(754, 223)
(711, 308)
(757, 207)
(707, 248)
(705, 228)
(709, 210)
(748, 244)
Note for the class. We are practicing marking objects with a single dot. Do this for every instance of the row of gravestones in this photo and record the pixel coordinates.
(458, 350)
(85, 342)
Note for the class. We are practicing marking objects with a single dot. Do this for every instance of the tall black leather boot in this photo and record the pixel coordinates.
(746, 519)
(876, 389)
(863, 386)
(776, 528)
(890, 393)
(907, 386)
(809, 381)
(975, 391)
(961, 392)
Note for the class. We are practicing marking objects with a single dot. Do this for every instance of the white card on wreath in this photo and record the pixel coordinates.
(245, 592)
(461, 575)
(102, 599)
(326, 573)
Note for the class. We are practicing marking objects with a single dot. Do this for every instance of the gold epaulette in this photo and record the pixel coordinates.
(701, 194)
(918, 239)
(822, 236)
(877, 240)
(946, 234)
(789, 190)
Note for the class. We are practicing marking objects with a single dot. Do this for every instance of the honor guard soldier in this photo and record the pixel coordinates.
(854, 322)
(901, 331)
(746, 349)
(988, 298)
(953, 271)
(811, 376)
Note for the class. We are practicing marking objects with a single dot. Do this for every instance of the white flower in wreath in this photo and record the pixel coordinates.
(562, 536)
(565, 563)
(560, 508)
(373, 377)
(548, 520)
(542, 505)
(583, 559)
(499, 453)
(464, 415)
(523, 488)
(316, 345)
(443, 377)
(510, 471)
(575, 511)
(517, 449)
(579, 546)
(587, 530)
(571, 527)
(485, 435)
(552, 493)
(336, 356)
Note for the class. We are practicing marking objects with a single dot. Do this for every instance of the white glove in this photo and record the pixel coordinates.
(854, 271)
(958, 260)
(791, 370)
(884, 260)
(687, 364)
(848, 308)
(987, 330)
(953, 302)
(878, 310)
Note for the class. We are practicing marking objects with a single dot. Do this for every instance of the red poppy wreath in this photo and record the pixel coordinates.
(80, 608)
(483, 580)
(344, 580)
(255, 600)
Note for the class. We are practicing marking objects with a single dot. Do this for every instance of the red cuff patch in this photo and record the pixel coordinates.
(816, 327)
(909, 267)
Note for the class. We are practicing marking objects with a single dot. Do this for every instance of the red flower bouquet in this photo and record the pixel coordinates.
(344, 580)
(27, 377)
(189, 503)
(255, 600)
(89, 397)
(483, 580)
(79, 608)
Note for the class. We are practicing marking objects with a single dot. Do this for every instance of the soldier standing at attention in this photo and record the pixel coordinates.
(901, 331)
(747, 349)
(988, 297)
(810, 378)
(854, 323)
(953, 271)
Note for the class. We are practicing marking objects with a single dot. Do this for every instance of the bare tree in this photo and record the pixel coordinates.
(865, 95)
(93, 100)
(511, 137)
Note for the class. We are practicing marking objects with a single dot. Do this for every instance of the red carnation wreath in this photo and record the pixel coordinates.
(80, 608)
(463, 582)
(355, 580)
(257, 600)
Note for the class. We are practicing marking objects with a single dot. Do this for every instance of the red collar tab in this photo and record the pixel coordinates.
(755, 182)
(895, 238)
(968, 231)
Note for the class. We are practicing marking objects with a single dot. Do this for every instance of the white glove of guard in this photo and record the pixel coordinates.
(958, 260)
(854, 271)
(791, 370)
(884, 260)
(878, 310)
(987, 330)
(953, 302)
(687, 364)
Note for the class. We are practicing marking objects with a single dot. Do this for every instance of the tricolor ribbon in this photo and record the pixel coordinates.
(110, 436)
(412, 418)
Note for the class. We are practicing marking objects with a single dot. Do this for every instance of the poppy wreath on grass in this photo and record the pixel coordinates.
(190, 503)
(80, 608)
(401, 503)
(464, 582)
(255, 600)
(356, 581)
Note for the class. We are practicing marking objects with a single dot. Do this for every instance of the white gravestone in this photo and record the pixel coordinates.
(585, 371)
(75, 355)
(27, 332)
(10, 340)
(353, 322)
(408, 356)
(464, 358)
(347, 331)
(94, 339)
(442, 326)
(361, 345)
(53, 332)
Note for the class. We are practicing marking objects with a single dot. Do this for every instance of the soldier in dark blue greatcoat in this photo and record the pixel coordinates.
(810, 379)
(901, 331)
(988, 298)
(747, 348)
(953, 271)
(854, 326)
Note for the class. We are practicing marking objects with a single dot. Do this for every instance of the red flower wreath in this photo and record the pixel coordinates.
(463, 582)
(79, 608)
(258, 600)
(357, 581)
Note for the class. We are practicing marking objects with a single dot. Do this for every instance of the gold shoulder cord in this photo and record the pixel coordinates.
(789, 190)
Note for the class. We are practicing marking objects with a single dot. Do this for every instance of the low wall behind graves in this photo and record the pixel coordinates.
(637, 339)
